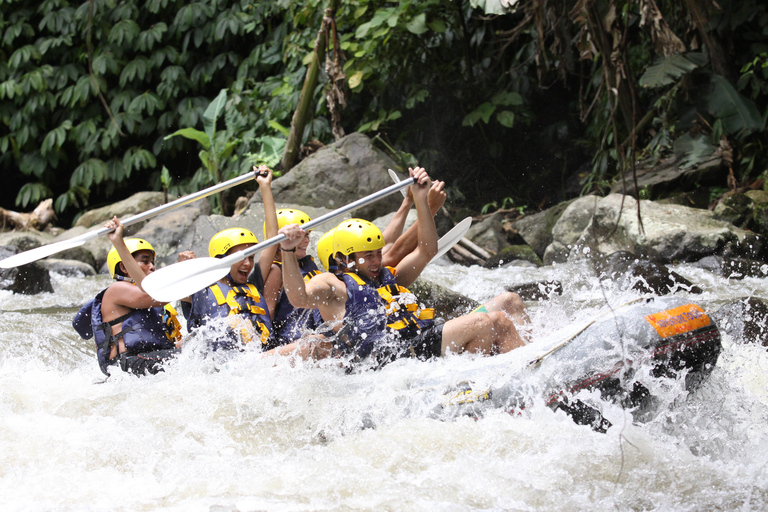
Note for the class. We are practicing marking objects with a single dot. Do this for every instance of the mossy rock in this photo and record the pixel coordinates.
(512, 253)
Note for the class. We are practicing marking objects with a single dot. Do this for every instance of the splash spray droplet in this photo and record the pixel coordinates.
(361, 261)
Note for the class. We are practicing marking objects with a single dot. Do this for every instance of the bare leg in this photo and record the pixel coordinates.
(481, 334)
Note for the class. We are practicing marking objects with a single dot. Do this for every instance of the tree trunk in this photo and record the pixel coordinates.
(38, 219)
(302, 114)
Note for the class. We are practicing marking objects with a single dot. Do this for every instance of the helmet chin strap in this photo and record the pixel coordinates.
(118, 277)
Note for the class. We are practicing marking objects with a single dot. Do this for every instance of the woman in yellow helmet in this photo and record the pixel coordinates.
(130, 328)
(237, 296)
(289, 323)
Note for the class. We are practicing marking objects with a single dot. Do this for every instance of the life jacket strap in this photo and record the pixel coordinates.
(109, 338)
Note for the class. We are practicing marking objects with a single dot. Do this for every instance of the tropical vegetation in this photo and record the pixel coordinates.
(509, 101)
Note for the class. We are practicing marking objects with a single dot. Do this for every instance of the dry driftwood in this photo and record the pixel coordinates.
(37, 219)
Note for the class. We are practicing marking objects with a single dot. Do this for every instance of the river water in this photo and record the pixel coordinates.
(259, 434)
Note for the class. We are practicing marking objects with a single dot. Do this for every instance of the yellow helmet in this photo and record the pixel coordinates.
(356, 235)
(325, 249)
(287, 216)
(223, 241)
(134, 245)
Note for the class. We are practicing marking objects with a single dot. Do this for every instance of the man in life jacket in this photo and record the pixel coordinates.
(289, 323)
(130, 328)
(373, 312)
(239, 296)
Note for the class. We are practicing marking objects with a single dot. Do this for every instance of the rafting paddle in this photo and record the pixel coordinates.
(47, 250)
(182, 279)
(452, 237)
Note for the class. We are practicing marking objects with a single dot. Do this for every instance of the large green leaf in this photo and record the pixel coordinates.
(211, 114)
(738, 114)
(667, 70)
(191, 133)
(691, 151)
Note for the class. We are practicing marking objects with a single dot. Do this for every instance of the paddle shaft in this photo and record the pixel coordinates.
(183, 201)
(241, 255)
(47, 250)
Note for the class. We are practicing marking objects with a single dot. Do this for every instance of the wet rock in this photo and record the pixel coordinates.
(512, 253)
(569, 228)
(137, 203)
(447, 303)
(81, 254)
(167, 231)
(338, 174)
(668, 233)
(29, 279)
(733, 268)
(542, 290)
(24, 240)
(65, 267)
(642, 275)
(744, 319)
(536, 229)
(489, 234)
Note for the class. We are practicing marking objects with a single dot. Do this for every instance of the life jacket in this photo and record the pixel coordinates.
(404, 315)
(291, 323)
(142, 330)
(237, 303)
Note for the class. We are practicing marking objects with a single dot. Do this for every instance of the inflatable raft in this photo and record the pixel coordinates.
(623, 354)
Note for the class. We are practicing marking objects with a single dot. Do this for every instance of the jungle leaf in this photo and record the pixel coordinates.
(738, 114)
(667, 70)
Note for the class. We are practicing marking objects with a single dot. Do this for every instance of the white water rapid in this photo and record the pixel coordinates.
(259, 434)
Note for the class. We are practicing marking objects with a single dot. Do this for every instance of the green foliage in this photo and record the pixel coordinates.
(667, 70)
(506, 203)
(95, 104)
(218, 145)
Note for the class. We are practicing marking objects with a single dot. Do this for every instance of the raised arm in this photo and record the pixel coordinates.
(273, 285)
(130, 296)
(267, 256)
(411, 266)
(407, 243)
(323, 291)
(395, 227)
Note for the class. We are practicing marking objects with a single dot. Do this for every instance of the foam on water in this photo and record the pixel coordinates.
(252, 433)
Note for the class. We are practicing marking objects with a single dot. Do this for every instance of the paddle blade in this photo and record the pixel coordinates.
(451, 238)
(39, 253)
(182, 279)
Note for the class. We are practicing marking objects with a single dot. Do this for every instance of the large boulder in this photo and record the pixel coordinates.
(70, 268)
(536, 229)
(489, 233)
(447, 303)
(733, 268)
(668, 233)
(336, 175)
(28, 279)
(568, 228)
(744, 320)
(168, 231)
(629, 272)
(25, 240)
(137, 203)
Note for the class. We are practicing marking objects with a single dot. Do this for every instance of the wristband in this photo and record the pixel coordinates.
(288, 250)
